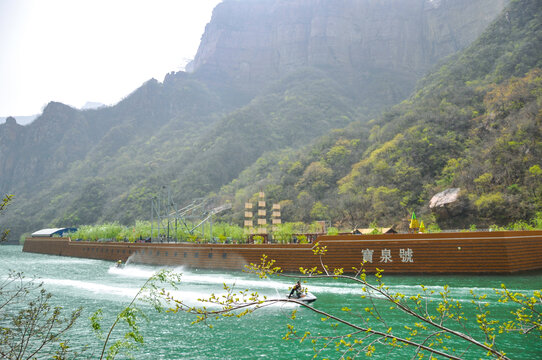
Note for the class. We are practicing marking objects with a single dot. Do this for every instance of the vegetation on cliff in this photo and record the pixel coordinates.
(3, 204)
(474, 123)
(305, 140)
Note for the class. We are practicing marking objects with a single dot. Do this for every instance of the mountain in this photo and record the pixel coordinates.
(473, 124)
(241, 114)
(21, 120)
(378, 49)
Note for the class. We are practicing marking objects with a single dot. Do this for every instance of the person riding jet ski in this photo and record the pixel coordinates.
(297, 289)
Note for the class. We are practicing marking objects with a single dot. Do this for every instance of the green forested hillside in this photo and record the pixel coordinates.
(474, 123)
(305, 139)
(178, 134)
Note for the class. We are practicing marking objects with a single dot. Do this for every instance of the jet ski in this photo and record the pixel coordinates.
(307, 297)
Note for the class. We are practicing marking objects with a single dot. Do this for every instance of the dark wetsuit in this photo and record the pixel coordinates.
(297, 290)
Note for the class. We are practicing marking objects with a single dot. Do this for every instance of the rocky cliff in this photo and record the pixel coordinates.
(252, 42)
(316, 65)
(10, 133)
(41, 149)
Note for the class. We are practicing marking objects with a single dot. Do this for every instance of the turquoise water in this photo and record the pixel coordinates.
(96, 284)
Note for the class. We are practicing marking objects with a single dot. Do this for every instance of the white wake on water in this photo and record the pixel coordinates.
(195, 286)
(207, 283)
(130, 271)
(91, 287)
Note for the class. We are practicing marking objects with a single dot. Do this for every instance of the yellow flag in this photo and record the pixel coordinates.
(414, 222)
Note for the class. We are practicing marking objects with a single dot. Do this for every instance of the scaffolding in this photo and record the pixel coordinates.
(169, 218)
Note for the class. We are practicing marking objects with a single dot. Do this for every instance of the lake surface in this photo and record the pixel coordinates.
(96, 284)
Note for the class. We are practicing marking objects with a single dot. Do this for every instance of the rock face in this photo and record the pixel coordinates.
(41, 148)
(448, 204)
(354, 53)
(253, 42)
(10, 133)
(10, 121)
(444, 198)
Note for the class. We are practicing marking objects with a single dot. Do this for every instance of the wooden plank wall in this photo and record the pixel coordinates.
(469, 252)
(465, 252)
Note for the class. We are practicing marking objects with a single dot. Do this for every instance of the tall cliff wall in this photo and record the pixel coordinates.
(369, 54)
(43, 148)
(251, 42)
(10, 133)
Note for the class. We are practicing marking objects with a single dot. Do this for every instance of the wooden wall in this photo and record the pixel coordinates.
(467, 252)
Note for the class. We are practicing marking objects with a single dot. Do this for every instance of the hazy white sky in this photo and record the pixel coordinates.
(74, 51)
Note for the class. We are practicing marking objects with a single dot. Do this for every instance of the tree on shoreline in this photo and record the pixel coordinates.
(132, 315)
(364, 330)
(433, 326)
(30, 326)
(5, 201)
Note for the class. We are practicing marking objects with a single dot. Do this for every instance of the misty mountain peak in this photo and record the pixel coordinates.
(253, 42)
(10, 121)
